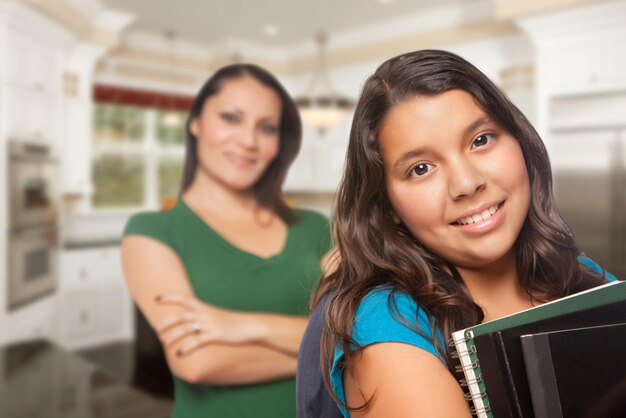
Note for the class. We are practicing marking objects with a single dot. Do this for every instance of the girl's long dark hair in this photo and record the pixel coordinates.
(377, 251)
(268, 189)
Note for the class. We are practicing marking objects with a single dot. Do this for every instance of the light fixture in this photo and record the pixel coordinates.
(171, 119)
(322, 106)
(271, 30)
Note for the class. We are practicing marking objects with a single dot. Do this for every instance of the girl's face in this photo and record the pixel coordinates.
(238, 132)
(455, 178)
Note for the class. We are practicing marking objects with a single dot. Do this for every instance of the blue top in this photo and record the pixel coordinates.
(378, 320)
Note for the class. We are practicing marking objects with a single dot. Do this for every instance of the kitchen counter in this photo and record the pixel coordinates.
(86, 244)
(39, 379)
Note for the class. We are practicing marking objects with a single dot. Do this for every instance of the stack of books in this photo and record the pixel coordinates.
(565, 358)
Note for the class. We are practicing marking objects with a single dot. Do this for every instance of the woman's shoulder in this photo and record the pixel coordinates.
(153, 224)
(146, 221)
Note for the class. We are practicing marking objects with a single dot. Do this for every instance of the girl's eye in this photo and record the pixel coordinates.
(230, 117)
(420, 169)
(482, 140)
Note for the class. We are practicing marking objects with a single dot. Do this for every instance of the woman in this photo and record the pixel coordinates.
(445, 218)
(224, 277)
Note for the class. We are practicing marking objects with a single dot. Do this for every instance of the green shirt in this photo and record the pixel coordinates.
(228, 277)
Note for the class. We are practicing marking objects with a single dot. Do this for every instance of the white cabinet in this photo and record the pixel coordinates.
(586, 62)
(32, 81)
(95, 307)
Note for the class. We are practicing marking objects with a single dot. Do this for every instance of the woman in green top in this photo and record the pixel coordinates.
(225, 276)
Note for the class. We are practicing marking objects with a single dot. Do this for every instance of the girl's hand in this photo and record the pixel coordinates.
(199, 324)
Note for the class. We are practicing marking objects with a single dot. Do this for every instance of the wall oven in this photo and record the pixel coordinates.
(33, 249)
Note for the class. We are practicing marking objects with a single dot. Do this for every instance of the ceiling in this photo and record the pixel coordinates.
(206, 22)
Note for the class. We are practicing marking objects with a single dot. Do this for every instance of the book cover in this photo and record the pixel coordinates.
(468, 353)
(577, 373)
(502, 360)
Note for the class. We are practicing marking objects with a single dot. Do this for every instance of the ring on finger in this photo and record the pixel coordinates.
(196, 326)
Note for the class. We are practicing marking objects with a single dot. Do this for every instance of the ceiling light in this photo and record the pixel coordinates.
(385, 1)
(321, 106)
(271, 30)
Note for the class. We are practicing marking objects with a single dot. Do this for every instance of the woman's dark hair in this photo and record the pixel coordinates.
(268, 189)
(377, 251)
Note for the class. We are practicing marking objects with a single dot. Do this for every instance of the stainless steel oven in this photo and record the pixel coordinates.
(33, 176)
(33, 263)
(33, 249)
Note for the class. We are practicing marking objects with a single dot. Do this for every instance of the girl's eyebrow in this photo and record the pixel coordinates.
(477, 124)
(408, 156)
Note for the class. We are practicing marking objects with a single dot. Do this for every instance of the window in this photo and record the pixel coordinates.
(137, 158)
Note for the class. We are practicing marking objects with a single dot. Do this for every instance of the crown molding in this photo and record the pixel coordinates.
(514, 9)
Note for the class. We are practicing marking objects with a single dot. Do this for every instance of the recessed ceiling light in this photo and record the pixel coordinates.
(384, 1)
(271, 30)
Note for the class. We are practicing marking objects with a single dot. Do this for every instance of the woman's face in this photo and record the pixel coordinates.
(455, 178)
(238, 132)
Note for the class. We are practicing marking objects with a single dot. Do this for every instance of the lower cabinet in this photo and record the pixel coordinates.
(95, 307)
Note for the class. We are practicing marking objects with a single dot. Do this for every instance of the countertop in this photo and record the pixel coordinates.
(39, 379)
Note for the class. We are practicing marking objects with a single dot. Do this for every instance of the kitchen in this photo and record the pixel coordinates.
(72, 134)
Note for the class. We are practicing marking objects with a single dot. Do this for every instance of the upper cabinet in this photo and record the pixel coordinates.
(580, 50)
(31, 80)
(31, 63)
(583, 63)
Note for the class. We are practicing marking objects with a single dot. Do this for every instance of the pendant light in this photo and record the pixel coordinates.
(322, 106)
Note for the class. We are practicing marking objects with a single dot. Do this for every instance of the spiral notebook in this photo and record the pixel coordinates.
(469, 354)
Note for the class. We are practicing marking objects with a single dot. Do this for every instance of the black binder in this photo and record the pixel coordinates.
(577, 373)
(502, 359)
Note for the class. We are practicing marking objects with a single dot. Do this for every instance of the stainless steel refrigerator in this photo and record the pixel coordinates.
(589, 167)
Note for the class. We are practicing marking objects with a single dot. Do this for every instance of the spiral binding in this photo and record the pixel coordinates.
(474, 378)
(454, 353)
(476, 411)
(464, 383)
(459, 368)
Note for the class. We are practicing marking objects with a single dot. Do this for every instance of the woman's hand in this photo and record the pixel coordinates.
(200, 324)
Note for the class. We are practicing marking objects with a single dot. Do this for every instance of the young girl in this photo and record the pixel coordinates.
(445, 218)
(225, 276)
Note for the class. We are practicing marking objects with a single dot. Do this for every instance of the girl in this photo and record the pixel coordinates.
(224, 277)
(445, 218)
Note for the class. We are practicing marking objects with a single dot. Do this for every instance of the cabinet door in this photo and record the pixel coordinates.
(586, 63)
(96, 305)
(76, 271)
(18, 56)
(114, 303)
(18, 107)
(81, 312)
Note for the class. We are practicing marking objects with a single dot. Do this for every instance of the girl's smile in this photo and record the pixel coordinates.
(481, 220)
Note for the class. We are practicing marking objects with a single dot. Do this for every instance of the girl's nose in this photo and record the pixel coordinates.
(465, 179)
